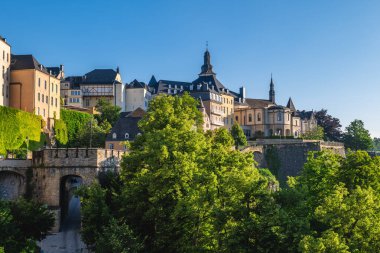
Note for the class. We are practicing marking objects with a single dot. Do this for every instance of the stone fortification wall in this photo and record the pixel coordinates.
(287, 157)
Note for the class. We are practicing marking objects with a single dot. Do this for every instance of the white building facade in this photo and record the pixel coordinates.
(5, 61)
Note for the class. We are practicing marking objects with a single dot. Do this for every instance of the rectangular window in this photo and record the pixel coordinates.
(52, 101)
(56, 88)
(38, 96)
(44, 112)
(43, 98)
(47, 100)
(56, 104)
(52, 87)
(45, 85)
(39, 82)
(7, 57)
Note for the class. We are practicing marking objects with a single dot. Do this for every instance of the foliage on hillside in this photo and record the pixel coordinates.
(182, 190)
(16, 127)
(22, 223)
(84, 130)
(60, 130)
(75, 122)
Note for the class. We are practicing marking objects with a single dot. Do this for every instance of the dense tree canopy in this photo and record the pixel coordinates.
(182, 190)
(357, 137)
(108, 112)
(331, 126)
(22, 223)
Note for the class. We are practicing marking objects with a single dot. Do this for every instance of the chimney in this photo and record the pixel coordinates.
(242, 92)
(117, 70)
(61, 67)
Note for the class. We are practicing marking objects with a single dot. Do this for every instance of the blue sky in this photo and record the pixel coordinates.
(324, 54)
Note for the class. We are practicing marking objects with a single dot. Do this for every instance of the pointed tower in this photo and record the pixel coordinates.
(290, 105)
(272, 96)
(152, 81)
(206, 67)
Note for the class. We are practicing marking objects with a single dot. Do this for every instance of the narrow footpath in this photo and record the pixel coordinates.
(68, 240)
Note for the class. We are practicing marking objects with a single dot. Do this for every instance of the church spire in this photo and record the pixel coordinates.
(272, 96)
(207, 67)
(290, 105)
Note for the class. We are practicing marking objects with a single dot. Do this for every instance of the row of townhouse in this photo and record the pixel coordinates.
(220, 107)
(28, 85)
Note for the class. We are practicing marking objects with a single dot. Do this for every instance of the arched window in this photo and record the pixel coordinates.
(114, 136)
(236, 118)
(279, 116)
(250, 117)
(259, 117)
(126, 136)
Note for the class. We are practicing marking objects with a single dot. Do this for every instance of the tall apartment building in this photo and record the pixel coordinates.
(85, 91)
(5, 60)
(34, 89)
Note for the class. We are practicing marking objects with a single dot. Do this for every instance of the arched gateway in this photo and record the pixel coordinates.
(54, 174)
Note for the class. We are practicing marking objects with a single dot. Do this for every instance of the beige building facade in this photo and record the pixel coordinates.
(5, 61)
(34, 89)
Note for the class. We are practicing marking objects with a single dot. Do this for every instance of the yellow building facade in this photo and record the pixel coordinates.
(34, 89)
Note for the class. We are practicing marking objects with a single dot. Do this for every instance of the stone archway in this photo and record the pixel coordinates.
(12, 185)
(69, 203)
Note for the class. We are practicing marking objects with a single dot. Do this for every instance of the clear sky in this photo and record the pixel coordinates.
(324, 54)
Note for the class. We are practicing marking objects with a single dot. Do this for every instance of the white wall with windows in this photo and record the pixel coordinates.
(5, 61)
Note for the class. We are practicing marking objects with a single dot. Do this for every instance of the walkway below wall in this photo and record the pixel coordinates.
(69, 239)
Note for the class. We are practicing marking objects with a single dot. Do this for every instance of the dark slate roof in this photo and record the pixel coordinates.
(75, 81)
(290, 105)
(162, 86)
(100, 76)
(258, 103)
(136, 85)
(127, 123)
(277, 107)
(305, 115)
(27, 61)
(54, 70)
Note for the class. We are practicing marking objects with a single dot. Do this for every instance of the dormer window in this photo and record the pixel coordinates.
(126, 136)
(114, 136)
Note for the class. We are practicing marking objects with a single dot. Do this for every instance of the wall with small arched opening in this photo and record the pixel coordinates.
(12, 185)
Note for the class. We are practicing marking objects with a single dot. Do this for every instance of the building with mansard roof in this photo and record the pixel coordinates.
(137, 95)
(218, 101)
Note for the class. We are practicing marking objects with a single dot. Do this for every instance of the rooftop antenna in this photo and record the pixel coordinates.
(206, 45)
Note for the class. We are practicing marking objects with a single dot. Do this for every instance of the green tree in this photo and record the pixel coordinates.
(376, 144)
(238, 135)
(22, 223)
(357, 137)
(95, 213)
(314, 134)
(108, 112)
(331, 125)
